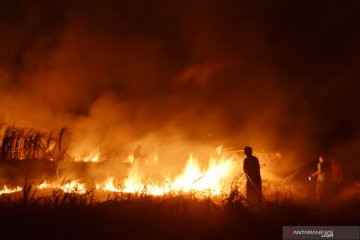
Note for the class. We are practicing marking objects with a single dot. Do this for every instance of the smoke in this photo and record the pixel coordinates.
(189, 75)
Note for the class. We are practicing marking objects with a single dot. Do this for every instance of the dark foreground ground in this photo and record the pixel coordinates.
(66, 216)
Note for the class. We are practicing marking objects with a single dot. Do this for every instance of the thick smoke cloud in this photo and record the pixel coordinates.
(280, 76)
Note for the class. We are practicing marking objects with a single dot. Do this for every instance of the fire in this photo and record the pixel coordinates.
(130, 159)
(109, 186)
(193, 178)
(156, 158)
(191, 175)
(7, 190)
(73, 187)
(44, 185)
(93, 156)
(209, 181)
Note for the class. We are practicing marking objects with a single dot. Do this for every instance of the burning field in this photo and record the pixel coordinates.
(47, 191)
(46, 161)
(133, 175)
(129, 119)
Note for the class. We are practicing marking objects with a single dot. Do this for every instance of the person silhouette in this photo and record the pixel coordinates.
(253, 177)
(322, 174)
(139, 157)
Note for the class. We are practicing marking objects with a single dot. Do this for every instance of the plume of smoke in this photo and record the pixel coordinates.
(170, 76)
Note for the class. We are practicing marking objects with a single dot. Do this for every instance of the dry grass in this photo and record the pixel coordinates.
(140, 216)
(32, 144)
(58, 215)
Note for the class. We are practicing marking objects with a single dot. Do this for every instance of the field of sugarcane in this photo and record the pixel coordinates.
(30, 152)
(32, 144)
(60, 215)
(35, 211)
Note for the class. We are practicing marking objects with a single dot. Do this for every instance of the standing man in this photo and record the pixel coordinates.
(252, 172)
(321, 173)
(139, 157)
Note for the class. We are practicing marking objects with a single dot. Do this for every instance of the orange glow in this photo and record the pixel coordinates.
(7, 190)
(109, 186)
(44, 185)
(93, 156)
(130, 159)
(73, 187)
(212, 180)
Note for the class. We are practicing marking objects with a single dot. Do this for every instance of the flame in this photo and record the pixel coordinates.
(7, 190)
(51, 147)
(44, 185)
(130, 159)
(93, 156)
(134, 182)
(219, 150)
(209, 181)
(109, 185)
(156, 158)
(73, 187)
(193, 178)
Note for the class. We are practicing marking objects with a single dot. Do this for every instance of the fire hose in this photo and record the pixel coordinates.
(258, 191)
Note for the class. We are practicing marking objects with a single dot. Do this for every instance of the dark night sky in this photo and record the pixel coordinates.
(280, 74)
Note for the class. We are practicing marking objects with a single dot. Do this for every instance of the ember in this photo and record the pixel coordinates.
(7, 190)
(93, 156)
(211, 181)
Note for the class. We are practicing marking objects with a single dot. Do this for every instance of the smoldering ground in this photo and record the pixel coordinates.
(280, 76)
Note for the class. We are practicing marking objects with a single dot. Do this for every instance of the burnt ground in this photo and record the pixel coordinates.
(27, 215)
(14, 172)
(67, 216)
